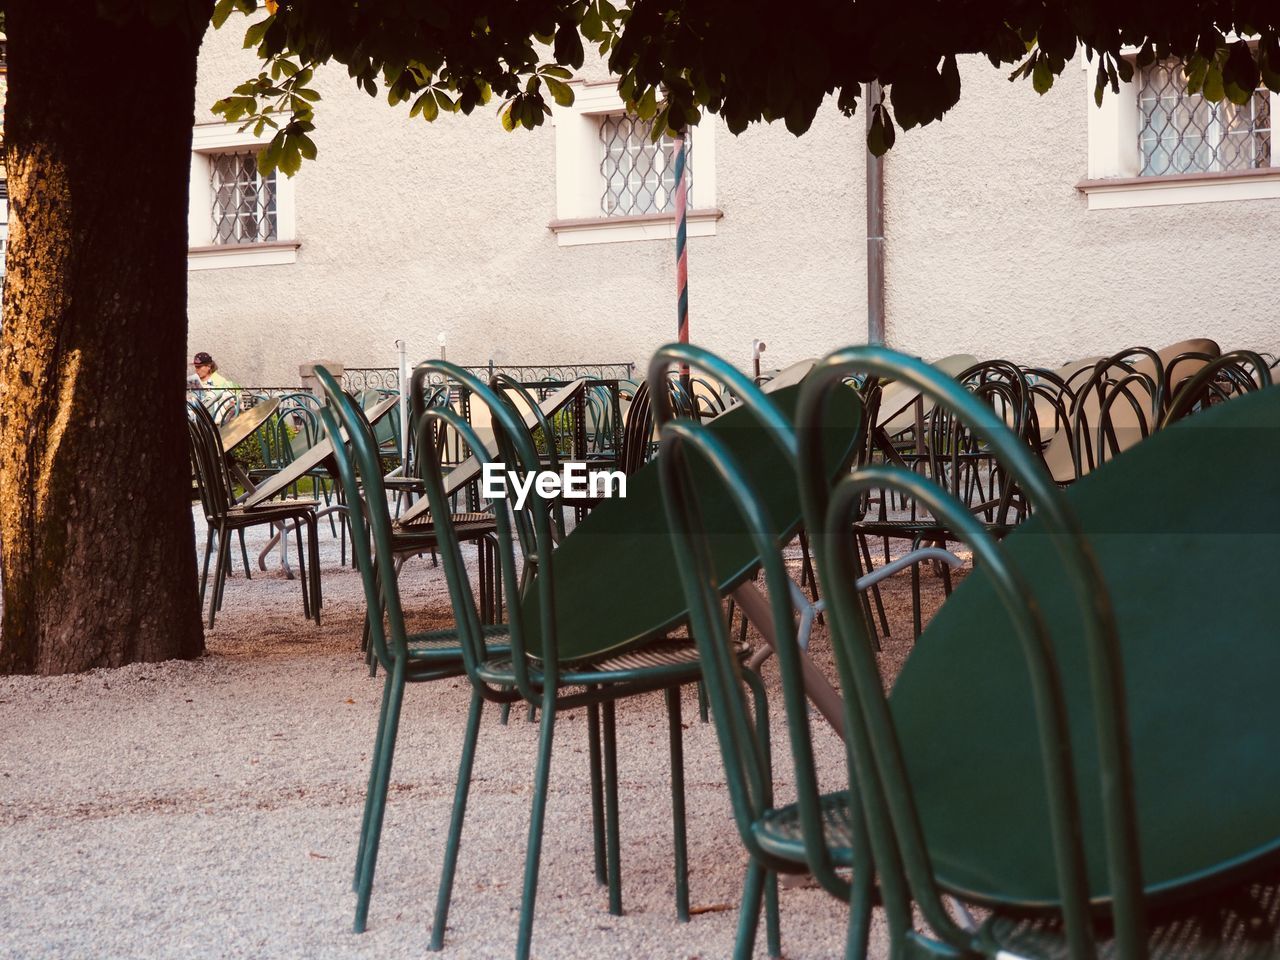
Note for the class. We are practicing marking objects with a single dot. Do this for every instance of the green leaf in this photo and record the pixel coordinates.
(1241, 72)
(221, 10)
(256, 31)
(557, 71)
(647, 105)
(445, 102)
(880, 135)
(1214, 88)
(950, 81)
(561, 92)
(306, 146)
(508, 116)
(568, 45)
(1269, 62)
(1041, 76)
(1196, 70)
(592, 26)
(800, 115)
(290, 156)
(427, 106)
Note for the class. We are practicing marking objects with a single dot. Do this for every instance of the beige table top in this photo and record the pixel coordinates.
(310, 460)
(240, 427)
(469, 469)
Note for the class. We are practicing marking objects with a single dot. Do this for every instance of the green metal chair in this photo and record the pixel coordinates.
(225, 517)
(818, 832)
(914, 872)
(1218, 380)
(537, 675)
(405, 657)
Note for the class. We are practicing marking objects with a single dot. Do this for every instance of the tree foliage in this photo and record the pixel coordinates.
(746, 60)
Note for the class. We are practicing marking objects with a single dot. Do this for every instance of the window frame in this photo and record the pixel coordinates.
(579, 185)
(207, 141)
(1114, 179)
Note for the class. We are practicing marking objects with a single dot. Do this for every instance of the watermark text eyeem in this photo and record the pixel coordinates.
(573, 482)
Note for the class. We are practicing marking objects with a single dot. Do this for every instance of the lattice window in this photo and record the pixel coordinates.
(639, 173)
(244, 202)
(1182, 132)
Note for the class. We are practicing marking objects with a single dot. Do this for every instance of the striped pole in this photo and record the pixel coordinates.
(682, 253)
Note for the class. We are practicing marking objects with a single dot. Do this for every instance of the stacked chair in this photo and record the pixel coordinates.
(497, 660)
(225, 517)
(907, 803)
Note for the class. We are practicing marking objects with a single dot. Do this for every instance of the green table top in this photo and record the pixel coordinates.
(1186, 526)
(616, 580)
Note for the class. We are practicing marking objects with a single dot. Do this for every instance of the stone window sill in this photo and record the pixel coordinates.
(224, 255)
(648, 226)
(1123, 192)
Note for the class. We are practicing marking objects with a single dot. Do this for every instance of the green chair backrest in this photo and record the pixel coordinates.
(371, 540)
(901, 855)
(530, 527)
(1219, 379)
(690, 449)
(217, 491)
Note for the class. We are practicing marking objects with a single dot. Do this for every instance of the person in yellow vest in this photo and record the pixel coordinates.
(214, 389)
(208, 376)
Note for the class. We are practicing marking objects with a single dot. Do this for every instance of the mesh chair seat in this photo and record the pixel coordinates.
(1240, 923)
(665, 661)
(435, 648)
(780, 834)
(282, 508)
(468, 526)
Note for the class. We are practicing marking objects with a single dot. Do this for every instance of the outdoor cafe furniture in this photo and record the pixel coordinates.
(604, 640)
(405, 657)
(224, 516)
(1121, 401)
(815, 833)
(318, 457)
(1083, 740)
(239, 428)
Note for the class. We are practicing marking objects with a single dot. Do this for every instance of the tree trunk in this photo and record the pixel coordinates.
(96, 538)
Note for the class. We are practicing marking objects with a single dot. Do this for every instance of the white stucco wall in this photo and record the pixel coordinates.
(410, 229)
(992, 251)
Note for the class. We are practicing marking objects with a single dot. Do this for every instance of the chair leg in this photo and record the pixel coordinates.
(380, 783)
(302, 571)
(680, 834)
(597, 792)
(613, 841)
(859, 932)
(760, 702)
(244, 553)
(749, 913)
(367, 817)
(219, 574)
(313, 544)
(455, 821)
(772, 931)
(537, 817)
(204, 571)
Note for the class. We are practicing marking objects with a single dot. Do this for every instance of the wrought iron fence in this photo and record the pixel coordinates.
(385, 377)
(224, 402)
(358, 379)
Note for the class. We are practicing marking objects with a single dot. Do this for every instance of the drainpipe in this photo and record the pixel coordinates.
(875, 231)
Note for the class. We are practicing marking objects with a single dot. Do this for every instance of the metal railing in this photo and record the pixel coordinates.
(355, 379)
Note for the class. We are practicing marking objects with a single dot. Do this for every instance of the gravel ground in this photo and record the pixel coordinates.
(211, 808)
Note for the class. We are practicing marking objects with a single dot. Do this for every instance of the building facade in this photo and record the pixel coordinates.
(1035, 228)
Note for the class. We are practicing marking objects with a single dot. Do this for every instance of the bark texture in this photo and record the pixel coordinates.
(95, 522)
